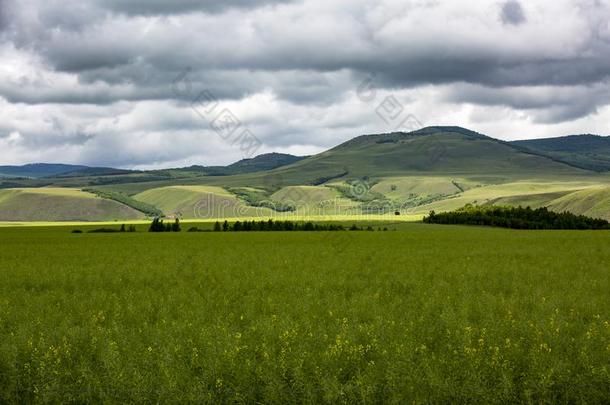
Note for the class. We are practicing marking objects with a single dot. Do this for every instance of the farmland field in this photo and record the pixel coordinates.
(422, 313)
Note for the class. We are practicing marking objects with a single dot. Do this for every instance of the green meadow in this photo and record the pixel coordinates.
(421, 313)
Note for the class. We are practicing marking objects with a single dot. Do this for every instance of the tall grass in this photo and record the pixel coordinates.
(426, 314)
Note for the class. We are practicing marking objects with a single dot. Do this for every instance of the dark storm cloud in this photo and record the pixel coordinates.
(551, 104)
(98, 95)
(490, 72)
(236, 59)
(158, 7)
(2, 16)
(512, 13)
(37, 140)
(5, 18)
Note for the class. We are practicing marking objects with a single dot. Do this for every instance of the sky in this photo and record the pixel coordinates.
(153, 84)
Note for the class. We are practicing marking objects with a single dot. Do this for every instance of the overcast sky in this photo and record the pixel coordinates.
(152, 83)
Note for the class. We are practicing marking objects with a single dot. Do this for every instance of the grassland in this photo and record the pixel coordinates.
(317, 200)
(411, 195)
(423, 314)
(60, 204)
(593, 202)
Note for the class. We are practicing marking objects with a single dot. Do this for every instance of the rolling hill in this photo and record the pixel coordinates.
(590, 152)
(591, 201)
(436, 150)
(60, 204)
(440, 168)
(194, 202)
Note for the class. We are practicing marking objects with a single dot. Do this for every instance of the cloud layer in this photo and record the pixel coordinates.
(93, 81)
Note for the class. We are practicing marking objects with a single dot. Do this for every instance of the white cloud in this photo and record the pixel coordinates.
(93, 85)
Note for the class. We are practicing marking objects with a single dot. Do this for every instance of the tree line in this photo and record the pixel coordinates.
(143, 207)
(123, 228)
(280, 226)
(516, 218)
(157, 225)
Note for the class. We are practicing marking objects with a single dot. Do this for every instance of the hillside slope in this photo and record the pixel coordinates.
(199, 202)
(587, 151)
(591, 201)
(59, 204)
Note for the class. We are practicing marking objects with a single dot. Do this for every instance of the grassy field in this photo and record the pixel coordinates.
(422, 314)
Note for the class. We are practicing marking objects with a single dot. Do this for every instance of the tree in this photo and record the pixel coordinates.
(217, 227)
(156, 225)
(517, 218)
(225, 226)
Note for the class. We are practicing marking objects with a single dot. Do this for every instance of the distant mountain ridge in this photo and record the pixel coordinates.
(268, 161)
(38, 170)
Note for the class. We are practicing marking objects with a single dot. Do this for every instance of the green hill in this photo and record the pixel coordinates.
(511, 193)
(199, 202)
(433, 151)
(60, 204)
(449, 152)
(436, 150)
(587, 151)
(591, 201)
